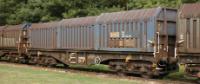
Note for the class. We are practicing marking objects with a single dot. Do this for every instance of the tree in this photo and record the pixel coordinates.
(19, 11)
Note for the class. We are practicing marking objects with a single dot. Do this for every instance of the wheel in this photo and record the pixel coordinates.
(146, 73)
(120, 71)
(50, 62)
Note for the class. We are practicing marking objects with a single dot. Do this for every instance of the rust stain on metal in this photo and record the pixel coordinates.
(79, 21)
(190, 10)
(44, 25)
(140, 14)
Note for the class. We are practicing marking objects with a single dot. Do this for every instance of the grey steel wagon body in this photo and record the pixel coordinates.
(137, 41)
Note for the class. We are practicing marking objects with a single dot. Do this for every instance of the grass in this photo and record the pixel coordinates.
(97, 67)
(26, 75)
(180, 75)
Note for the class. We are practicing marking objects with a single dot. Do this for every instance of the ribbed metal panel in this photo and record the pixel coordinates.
(190, 10)
(118, 31)
(43, 35)
(76, 33)
(127, 30)
(10, 36)
(1, 37)
(189, 28)
(136, 15)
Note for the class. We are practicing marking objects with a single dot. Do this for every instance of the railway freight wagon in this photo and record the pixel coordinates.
(188, 38)
(136, 41)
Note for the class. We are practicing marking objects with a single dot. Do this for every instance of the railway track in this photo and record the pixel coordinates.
(99, 73)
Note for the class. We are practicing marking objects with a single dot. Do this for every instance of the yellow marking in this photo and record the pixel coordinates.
(154, 65)
(114, 34)
(129, 57)
(81, 60)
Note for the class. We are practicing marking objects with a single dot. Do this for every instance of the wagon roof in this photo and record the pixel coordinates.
(190, 10)
(2, 27)
(90, 20)
(132, 15)
(12, 27)
(44, 25)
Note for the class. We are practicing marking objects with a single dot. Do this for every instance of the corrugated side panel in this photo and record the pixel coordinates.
(189, 28)
(10, 36)
(189, 31)
(76, 37)
(1, 35)
(43, 35)
(76, 33)
(126, 35)
(43, 38)
(126, 30)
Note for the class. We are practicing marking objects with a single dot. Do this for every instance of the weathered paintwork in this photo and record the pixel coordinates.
(135, 41)
(118, 31)
(188, 38)
(9, 36)
(127, 30)
(189, 28)
(43, 35)
(76, 33)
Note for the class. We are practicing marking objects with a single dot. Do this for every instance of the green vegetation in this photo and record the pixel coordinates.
(19, 11)
(97, 67)
(27, 75)
(11, 74)
(180, 75)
